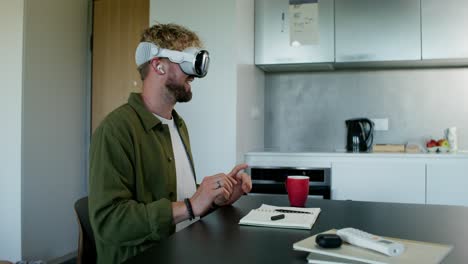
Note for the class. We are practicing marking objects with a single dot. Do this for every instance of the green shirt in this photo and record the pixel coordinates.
(132, 181)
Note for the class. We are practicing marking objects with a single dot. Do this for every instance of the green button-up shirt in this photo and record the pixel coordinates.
(132, 181)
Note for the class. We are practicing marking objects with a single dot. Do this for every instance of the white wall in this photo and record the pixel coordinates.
(54, 125)
(250, 84)
(11, 54)
(211, 114)
(44, 132)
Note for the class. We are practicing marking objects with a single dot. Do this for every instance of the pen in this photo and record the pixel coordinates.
(291, 211)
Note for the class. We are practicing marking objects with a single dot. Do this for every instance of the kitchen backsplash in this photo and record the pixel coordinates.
(308, 110)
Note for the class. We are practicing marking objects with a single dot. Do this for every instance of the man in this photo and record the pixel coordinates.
(142, 182)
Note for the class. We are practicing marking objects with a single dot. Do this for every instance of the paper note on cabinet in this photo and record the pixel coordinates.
(303, 22)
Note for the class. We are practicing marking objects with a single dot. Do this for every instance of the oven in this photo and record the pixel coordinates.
(270, 180)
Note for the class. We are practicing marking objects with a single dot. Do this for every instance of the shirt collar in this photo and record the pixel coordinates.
(147, 118)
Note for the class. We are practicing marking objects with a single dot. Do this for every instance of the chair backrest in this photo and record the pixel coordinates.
(86, 244)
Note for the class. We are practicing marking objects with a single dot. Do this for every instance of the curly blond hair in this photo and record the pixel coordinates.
(168, 36)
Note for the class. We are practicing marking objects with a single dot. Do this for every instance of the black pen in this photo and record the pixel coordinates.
(291, 211)
(277, 217)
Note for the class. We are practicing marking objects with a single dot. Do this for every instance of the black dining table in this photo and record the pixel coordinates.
(218, 237)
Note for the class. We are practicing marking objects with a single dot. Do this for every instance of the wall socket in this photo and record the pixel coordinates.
(380, 124)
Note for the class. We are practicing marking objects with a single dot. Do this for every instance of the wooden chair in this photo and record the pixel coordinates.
(86, 244)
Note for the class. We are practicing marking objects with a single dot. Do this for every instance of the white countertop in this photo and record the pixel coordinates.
(325, 158)
(318, 153)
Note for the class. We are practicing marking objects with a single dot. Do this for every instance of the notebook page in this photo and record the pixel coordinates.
(262, 217)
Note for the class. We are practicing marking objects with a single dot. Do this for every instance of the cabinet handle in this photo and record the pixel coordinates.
(282, 22)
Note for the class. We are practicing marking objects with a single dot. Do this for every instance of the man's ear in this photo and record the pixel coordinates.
(160, 68)
(157, 65)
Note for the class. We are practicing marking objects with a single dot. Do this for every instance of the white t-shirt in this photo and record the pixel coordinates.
(186, 185)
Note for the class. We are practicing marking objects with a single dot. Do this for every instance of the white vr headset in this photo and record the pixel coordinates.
(192, 61)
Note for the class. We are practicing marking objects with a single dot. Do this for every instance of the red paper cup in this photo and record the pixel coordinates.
(298, 189)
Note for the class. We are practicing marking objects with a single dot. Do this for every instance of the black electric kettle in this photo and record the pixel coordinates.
(360, 134)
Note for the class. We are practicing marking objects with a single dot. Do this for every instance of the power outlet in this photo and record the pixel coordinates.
(380, 124)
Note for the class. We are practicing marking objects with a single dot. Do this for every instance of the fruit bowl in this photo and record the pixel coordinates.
(438, 149)
(437, 146)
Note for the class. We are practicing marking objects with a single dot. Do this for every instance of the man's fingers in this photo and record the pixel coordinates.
(246, 182)
(228, 186)
(246, 187)
(238, 168)
(227, 181)
(225, 178)
(227, 194)
(220, 180)
(231, 180)
(222, 192)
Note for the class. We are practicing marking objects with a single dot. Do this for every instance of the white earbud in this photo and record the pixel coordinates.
(160, 68)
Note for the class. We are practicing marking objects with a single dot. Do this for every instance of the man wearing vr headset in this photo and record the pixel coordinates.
(142, 183)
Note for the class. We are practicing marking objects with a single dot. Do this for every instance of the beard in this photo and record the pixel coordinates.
(178, 90)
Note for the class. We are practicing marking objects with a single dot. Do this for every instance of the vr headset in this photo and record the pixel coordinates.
(192, 61)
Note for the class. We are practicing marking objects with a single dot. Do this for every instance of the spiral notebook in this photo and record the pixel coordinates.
(294, 217)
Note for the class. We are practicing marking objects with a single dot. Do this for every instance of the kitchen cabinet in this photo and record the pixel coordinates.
(272, 35)
(377, 30)
(447, 182)
(444, 33)
(402, 178)
(379, 181)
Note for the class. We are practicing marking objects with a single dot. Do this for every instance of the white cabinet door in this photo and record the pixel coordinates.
(272, 35)
(444, 29)
(379, 181)
(447, 182)
(377, 30)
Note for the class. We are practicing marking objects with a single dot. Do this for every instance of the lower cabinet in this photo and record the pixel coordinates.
(447, 182)
(379, 181)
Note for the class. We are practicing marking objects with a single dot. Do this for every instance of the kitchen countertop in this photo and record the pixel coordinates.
(343, 153)
(326, 158)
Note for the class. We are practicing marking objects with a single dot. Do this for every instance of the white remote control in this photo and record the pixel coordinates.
(362, 239)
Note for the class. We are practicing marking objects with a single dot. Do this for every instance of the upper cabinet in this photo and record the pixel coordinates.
(377, 30)
(327, 34)
(293, 34)
(444, 29)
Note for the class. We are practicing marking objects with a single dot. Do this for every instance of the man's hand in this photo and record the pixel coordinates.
(243, 185)
(219, 186)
